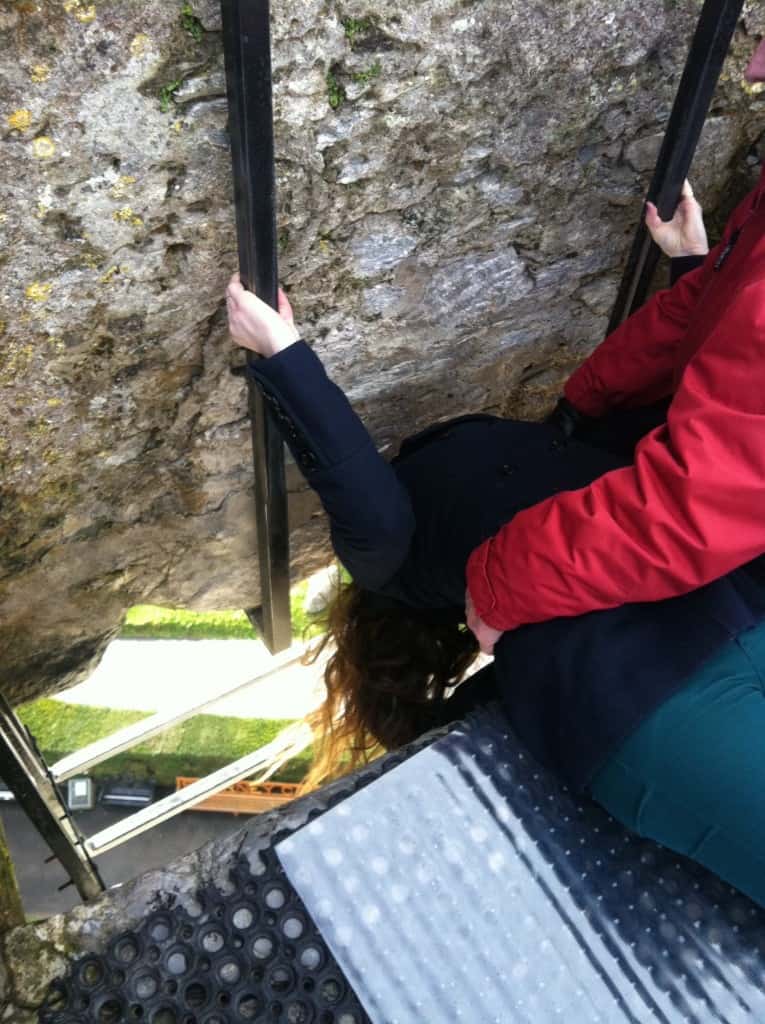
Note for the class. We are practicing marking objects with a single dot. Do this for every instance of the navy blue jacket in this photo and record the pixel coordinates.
(573, 688)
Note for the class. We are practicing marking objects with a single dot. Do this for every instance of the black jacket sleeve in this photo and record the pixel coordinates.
(371, 517)
(680, 265)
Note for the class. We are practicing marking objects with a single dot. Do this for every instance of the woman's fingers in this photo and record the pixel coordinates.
(254, 324)
(285, 309)
(234, 290)
(652, 219)
(684, 234)
(486, 636)
(237, 294)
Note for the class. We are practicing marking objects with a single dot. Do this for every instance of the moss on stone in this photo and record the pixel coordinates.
(368, 75)
(335, 89)
(191, 23)
(11, 909)
(167, 94)
(357, 28)
(33, 961)
(43, 148)
(19, 120)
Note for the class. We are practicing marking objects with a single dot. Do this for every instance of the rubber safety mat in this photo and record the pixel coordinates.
(465, 885)
(453, 881)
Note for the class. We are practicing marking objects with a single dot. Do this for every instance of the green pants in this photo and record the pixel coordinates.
(692, 776)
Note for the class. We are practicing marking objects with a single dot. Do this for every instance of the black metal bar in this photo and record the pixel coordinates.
(247, 46)
(707, 54)
(25, 773)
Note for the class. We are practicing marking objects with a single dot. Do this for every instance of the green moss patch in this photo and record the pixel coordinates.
(11, 909)
(368, 75)
(167, 94)
(191, 23)
(356, 28)
(335, 89)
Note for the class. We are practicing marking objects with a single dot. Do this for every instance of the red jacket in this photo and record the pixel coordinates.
(692, 506)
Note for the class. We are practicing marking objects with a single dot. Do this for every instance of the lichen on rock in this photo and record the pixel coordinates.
(453, 219)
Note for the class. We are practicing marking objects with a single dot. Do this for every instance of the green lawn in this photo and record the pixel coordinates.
(152, 622)
(196, 747)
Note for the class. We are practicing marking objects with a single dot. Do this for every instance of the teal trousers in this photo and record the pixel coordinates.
(692, 776)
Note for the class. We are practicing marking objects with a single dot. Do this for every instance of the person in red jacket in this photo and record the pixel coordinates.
(690, 507)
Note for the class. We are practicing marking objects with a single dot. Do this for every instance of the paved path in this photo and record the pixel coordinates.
(152, 675)
(39, 882)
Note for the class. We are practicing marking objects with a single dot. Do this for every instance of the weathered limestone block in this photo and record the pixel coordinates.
(458, 186)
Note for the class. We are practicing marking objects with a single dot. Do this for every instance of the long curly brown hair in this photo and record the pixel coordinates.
(386, 678)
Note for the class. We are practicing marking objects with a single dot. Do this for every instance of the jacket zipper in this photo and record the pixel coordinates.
(728, 248)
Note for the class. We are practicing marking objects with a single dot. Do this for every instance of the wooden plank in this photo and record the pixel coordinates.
(244, 797)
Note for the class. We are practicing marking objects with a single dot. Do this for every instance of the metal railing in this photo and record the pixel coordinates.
(706, 57)
(36, 785)
(266, 760)
(247, 49)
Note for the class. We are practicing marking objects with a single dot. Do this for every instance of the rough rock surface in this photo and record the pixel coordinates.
(459, 181)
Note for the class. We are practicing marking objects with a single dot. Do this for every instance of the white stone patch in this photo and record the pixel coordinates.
(356, 169)
(383, 300)
(381, 248)
(476, 288)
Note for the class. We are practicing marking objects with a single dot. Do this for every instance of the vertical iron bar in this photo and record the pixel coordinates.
(247, 46)
(26, 775)
(707, 54)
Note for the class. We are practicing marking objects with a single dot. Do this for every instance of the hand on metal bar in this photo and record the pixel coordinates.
(253, 324)
(685, 234)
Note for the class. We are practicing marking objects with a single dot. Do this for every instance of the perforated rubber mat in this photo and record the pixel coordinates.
(455, 881)
(465, 885)
(253, 955)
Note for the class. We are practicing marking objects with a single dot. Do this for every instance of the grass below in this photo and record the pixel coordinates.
(152, 622)
(196, 747)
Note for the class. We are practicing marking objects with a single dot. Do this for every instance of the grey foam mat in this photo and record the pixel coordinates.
(517, 904)
(467, 885)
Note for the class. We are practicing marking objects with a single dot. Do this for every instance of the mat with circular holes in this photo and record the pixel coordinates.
(454, 881)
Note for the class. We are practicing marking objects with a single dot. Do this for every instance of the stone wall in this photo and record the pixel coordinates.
(459, 182)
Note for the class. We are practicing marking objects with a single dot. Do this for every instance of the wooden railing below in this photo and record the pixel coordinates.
(244, 797)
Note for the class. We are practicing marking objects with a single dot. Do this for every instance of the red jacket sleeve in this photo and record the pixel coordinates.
(634, 365)
(687, 511)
